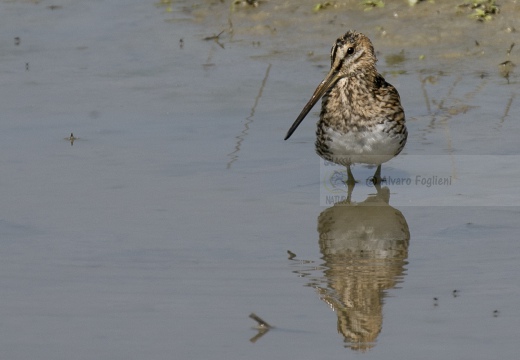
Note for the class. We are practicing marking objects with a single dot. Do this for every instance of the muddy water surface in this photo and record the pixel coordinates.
(169, 219)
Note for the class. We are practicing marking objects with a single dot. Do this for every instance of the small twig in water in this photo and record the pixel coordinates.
(215, 38)
(261, 323)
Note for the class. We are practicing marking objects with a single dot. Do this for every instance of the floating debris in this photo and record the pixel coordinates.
(245, 3)
(323, 6)
(71, 138)
(215, 38)
(506, 68)
(370, 4)
(484, 9)
(262, 324)
(414, 2)
(263, 327)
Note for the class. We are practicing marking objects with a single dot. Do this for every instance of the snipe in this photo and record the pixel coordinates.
(361, 119)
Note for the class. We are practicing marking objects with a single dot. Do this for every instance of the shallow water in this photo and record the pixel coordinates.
(167, 222)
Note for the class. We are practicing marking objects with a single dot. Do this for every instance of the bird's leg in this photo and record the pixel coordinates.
(351, 182)
(350, 188)
(350, 178)
(378, 187)
(377, 176)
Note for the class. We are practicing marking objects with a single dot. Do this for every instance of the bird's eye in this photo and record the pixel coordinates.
(350, 51)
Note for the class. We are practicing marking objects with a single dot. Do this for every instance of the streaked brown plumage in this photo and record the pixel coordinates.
(361, 119)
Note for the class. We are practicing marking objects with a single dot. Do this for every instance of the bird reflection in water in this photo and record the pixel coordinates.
(364, 247)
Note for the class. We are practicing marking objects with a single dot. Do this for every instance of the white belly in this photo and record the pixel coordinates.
(368, 147)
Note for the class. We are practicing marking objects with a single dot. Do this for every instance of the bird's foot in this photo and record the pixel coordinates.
(377, 180)
(351, 182)
(350, 178)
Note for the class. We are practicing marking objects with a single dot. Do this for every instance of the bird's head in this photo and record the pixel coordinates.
(351, 54)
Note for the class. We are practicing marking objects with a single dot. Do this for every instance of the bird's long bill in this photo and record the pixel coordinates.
(329, 81)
